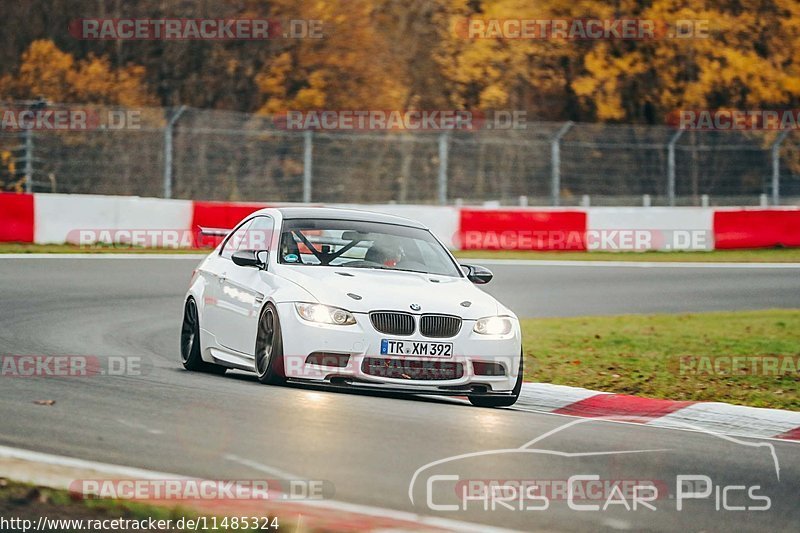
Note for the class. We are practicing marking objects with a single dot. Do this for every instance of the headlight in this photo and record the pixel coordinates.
(493, 325)
(324, 314)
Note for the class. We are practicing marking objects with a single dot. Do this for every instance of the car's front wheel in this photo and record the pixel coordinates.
(190, 342)
(502, 401)
(269, 348)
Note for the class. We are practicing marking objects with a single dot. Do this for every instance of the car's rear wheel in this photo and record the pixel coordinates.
(190, 342)
(269, 348)
(501, 401)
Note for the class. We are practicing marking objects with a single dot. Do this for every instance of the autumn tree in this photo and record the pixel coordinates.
(409, 54)
(744, 60)
(351, 67)
(57, 76)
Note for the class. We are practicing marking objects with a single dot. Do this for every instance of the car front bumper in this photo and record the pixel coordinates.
(366, 367)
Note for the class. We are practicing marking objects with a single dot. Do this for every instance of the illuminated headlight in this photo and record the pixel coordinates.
(324, 314)
(493, 325)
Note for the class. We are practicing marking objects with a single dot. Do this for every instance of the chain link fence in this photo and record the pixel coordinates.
(222, 155)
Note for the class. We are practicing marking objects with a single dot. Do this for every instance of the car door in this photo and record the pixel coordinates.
(243, 289)
(215, 270)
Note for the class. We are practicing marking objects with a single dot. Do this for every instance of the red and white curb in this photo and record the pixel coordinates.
(722, 418)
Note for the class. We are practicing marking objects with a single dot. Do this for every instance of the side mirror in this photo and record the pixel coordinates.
(251, 258)
(477, 274)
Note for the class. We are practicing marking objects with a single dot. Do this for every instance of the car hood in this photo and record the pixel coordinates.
(391, 290)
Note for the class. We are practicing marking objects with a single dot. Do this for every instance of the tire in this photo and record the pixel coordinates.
(190, 342)
(501, 401)
(269, 348)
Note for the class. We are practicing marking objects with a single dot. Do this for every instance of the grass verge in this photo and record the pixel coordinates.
(28, 502)
(761, 255)
(766, 255)
(27, 248)
(641, 355)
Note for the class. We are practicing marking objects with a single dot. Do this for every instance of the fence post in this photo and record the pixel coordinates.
(555, 164)
(168, 151)
(308, 170)
(28, 158)
(671, 167)
(443, 154)
(776, 167)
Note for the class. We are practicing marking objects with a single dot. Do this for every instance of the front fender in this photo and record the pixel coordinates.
(198, 289)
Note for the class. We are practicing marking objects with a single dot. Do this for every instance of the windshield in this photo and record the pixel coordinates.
(354, 244)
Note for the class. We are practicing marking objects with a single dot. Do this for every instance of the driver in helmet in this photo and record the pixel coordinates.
(387, 252)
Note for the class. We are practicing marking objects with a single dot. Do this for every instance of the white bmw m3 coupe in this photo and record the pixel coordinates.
(353, 299)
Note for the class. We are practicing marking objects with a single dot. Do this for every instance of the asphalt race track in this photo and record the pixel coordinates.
(603, 289)
(367, 448)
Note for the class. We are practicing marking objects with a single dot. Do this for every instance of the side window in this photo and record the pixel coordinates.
(235, 240)
(259, 235)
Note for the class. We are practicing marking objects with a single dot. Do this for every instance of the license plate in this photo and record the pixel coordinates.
(430, 349)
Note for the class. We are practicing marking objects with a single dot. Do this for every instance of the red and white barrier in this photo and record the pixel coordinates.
(666, 228)
(756, 228)
(16, 217)
(59, 218)
(522, 229)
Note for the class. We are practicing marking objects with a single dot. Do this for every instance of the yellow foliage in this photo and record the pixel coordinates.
(351, 68)
(55, 75)
(44, 71)
(746, 60)
(400, 54)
